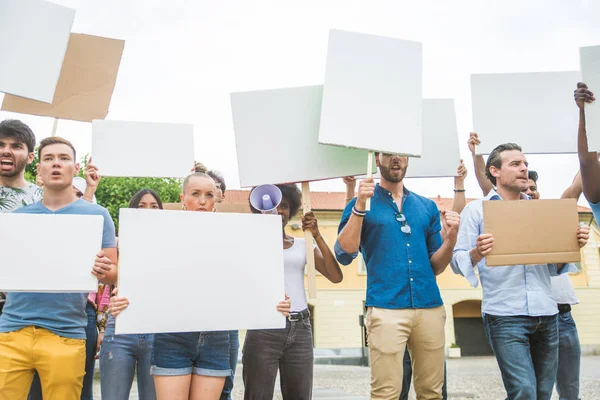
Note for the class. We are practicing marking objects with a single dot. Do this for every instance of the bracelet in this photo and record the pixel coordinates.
(459, 190)
(358, 213)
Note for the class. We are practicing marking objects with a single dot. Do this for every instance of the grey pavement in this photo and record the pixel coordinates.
(468, 378)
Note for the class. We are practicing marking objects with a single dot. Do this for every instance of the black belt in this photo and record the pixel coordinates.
(564, 308)
(299, 315)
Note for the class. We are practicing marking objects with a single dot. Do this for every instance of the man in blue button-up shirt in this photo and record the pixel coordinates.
(401, 244)
(518, 308)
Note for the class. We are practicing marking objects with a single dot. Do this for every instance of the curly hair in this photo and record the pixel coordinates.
(291, 193)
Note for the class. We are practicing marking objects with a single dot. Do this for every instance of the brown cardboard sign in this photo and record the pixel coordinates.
(86, 83)
(532, 231)
(221, 207)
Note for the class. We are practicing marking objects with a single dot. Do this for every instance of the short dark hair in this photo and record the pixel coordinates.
(533, 176)
(290, 192)
(16, 129)
(218, 178)
(495, 159)
(56, 140)
(135, 200)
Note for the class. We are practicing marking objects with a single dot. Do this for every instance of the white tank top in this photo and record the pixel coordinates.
(294, 262)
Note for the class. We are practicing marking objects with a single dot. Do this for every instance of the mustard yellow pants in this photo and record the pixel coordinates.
(59, 361)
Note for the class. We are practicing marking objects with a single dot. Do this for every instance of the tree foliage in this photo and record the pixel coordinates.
(115, 193)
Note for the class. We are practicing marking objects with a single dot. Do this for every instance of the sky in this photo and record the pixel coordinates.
(183, 58)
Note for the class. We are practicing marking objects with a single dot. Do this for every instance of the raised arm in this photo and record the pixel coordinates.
(350, 182)
(573, 191)
(349, 237)
(325, 261)
(479, 165)
(588, 160)
(460, 200)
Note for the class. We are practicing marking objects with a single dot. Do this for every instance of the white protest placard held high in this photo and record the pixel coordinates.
(372, 93)
(49, 252)
(441, 153)
(33, 41)
(212, 280)
(142, 149)
(590, 70)
(534, 110)
(276, 137)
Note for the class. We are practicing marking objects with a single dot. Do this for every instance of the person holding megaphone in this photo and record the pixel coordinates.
(288, 350)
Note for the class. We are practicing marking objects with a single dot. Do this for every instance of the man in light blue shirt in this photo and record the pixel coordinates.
(518, 308)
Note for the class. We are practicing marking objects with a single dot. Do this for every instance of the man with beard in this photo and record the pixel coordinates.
(518, 306)
(17, 143)
(403, 250)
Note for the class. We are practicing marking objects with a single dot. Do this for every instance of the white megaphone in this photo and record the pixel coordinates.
(266, 198)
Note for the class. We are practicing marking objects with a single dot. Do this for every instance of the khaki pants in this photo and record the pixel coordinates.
(389, 332)
(59, 361)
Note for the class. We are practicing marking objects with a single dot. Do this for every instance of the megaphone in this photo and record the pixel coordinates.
(266, 198)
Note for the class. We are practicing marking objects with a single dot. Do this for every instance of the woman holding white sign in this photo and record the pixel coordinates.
(288, 350)
(191, 365)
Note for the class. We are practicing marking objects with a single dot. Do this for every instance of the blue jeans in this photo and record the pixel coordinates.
(120, 357)
(234, 346)
(407, 375)
(526, 350)
(569, 358)
(91, 332)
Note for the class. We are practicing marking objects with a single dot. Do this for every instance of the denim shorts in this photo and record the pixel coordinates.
(199, 353)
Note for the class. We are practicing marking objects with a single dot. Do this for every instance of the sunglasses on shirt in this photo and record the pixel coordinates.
(402, 219)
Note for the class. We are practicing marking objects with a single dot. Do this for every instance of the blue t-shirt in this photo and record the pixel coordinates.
(595, 210)
(399, 272)
(61, 313)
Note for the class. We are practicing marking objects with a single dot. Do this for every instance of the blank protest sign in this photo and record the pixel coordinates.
(372, 93)
(48, 252)
(441, 153)
(142, 149)
(33, 41)
(276, 137)
(182, 272)
(590, 71)
(534, 110)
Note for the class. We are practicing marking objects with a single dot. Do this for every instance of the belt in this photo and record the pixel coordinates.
(299, 315)
(564, 308)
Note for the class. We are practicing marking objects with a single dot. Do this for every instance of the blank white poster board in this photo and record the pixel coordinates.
(441, 153)
(276, 138)
(33, 41)
(184, 267)
(589, 58)
(49, 252)
(372, 94)
(534, 110)
(142, 149)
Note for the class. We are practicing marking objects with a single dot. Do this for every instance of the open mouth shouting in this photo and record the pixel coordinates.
(6, 163)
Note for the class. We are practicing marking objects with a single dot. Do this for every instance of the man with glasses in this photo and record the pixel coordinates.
(519, 310)
(401, 243)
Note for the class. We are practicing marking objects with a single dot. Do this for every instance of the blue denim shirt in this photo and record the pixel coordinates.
(399, 273)
(507, 291)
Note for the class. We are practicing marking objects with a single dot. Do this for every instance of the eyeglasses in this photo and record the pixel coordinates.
(405, 227)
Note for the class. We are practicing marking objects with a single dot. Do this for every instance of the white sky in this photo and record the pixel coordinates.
(183, 57)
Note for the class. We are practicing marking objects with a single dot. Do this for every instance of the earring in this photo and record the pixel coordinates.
(183, 207)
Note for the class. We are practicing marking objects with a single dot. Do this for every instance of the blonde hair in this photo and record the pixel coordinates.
(200, 171)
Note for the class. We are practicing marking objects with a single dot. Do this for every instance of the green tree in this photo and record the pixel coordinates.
(115, 193)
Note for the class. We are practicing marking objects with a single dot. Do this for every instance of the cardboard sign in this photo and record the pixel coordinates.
(190, 259)
(55, 256)
(269, 124)
(590, 70)
(372, 94)
(33, 41)
(86, 82)
(532, 231)
(534, 110)
(138, 149)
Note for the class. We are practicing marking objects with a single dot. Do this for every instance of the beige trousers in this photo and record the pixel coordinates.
(389, 332)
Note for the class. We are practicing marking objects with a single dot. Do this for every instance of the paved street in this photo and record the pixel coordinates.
(468, 378)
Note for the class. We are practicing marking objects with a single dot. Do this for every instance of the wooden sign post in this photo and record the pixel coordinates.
(310, 251)
(369, 175)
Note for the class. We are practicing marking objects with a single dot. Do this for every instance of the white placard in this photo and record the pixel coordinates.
(142, 149)
(534, 110)
(184, 267)
(276, 137)
(589, 58)
(441, 153)
(33, 40)
(372, 93)
(49, 252)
